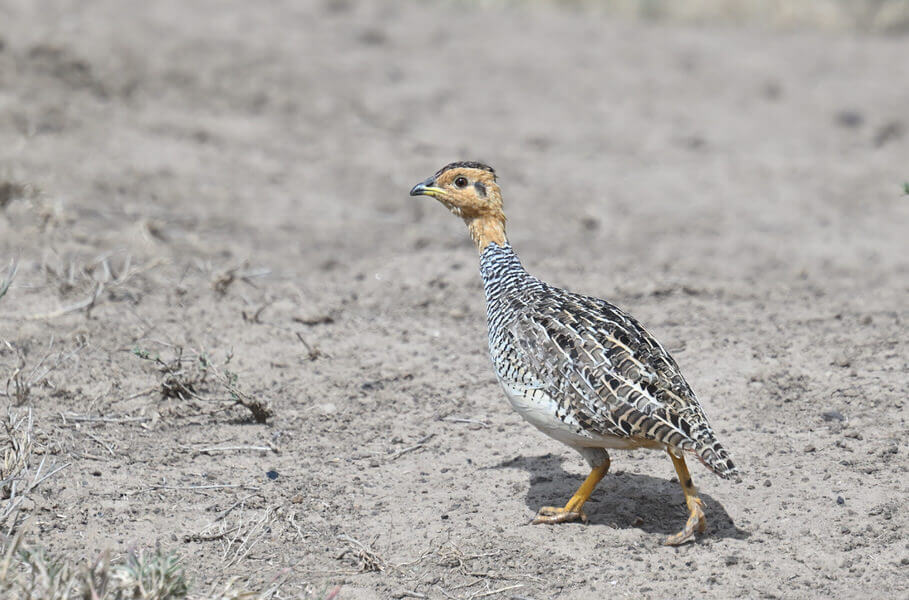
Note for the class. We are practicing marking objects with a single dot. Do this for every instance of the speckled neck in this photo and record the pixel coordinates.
(502, 272)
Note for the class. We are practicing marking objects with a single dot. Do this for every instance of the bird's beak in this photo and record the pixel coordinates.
(425, 188)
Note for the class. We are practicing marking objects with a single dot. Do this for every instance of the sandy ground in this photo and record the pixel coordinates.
(231, 180)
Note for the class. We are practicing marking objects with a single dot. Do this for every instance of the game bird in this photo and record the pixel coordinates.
(576, 367)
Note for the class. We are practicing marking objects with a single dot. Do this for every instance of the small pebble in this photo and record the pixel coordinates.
(271, 475)
(840, 500)
(767, 483)
(842, 361)
(849, 118)
(810, 448)
(832, 415)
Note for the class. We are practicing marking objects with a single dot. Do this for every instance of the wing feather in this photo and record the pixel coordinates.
(606, 368)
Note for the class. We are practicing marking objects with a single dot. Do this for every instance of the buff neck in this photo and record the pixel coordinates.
(488, 229)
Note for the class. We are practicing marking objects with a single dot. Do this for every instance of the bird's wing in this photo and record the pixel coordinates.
(612, 374)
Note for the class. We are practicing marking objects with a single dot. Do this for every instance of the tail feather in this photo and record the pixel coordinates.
(715, 458)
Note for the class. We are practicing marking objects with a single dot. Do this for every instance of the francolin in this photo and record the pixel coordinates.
(578, 368)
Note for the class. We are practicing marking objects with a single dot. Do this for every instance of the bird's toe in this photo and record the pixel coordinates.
(697, 522)
(551, 515)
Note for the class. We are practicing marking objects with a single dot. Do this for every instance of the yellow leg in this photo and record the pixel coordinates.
(696, 519)
(572, 511)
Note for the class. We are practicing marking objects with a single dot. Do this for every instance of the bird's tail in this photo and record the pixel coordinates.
(715, 458)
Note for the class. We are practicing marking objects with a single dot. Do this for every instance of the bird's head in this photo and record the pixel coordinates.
(469, 190)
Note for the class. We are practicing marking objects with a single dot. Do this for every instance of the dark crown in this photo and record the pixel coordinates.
(467, 164)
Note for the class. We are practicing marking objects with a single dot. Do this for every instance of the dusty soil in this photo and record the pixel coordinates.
(231, 181)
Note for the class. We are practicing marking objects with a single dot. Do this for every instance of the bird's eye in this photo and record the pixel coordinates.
(461, 182)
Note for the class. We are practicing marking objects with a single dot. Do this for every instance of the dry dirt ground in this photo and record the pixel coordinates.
(228, 180)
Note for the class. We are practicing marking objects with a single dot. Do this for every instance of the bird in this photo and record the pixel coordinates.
(578, 368)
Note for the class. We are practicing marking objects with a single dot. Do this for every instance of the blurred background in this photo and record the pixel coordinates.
(833, 15)
(203, 206)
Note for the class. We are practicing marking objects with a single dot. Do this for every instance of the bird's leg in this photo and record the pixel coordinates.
(572, 511)
(696, 519)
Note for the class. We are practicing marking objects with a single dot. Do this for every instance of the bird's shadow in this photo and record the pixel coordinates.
(623, 500)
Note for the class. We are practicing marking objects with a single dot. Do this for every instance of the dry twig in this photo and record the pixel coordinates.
(367, 558)
(416, 446)
(194, 488)
(101, 443)
(313, 351)
(86, 303)
(7, 280)
(498, 591)
(468, 421)
(216, 449)
(248, 535)
(98, 419)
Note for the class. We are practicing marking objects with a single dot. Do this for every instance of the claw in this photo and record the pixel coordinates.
(696, 522)
(550, 515)
(677, 539)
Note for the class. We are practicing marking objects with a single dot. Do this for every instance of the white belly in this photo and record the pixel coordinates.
(540, 410)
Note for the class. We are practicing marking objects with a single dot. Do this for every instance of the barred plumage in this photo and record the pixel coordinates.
(605, 372)
(578, 368)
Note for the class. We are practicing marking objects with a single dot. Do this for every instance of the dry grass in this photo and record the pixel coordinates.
(89, 279)
(29, 572)
(22, 379)
(196, 376)
(19, 477)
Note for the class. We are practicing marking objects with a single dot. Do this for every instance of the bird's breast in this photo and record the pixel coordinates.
(543, 412)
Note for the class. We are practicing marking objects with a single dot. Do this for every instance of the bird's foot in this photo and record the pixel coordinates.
(551, 515)
(696, 522)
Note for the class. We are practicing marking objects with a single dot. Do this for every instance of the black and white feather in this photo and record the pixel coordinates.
(587, 373)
